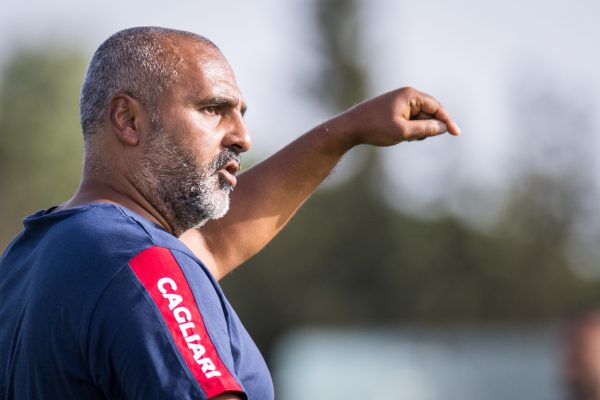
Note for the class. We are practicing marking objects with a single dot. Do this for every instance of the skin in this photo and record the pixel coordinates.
(193, 109)
(205, 109)
(581, 363)
(292, 174)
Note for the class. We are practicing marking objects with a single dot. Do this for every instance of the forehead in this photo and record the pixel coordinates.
(203, 71)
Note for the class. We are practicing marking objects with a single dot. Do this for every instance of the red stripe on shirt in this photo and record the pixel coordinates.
(161, 275)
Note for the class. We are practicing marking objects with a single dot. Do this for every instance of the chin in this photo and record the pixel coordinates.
(212, 208)
(220, 209)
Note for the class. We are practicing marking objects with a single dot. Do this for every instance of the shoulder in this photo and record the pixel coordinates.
(168, 314)
(105, 225)
(174, 278)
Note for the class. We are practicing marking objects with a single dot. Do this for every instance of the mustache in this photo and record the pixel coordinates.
(224, 157)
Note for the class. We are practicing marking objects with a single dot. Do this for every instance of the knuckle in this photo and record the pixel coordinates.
(434, 128)
(409, 90)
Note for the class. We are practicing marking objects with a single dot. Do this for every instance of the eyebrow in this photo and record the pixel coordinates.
(223, 101)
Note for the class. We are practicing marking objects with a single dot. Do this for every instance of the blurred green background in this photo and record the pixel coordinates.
(352, 257)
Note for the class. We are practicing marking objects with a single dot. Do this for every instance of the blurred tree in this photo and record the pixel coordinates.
(306, 251)
(554, 181)
(347, 258)
(343, 79)
(40, 139)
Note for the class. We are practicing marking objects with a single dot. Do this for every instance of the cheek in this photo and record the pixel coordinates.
(197, 138)
(203, 128)
(204, 149)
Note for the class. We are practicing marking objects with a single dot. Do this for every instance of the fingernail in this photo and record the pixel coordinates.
(441, 127)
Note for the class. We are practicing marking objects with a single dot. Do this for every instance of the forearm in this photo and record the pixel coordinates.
(270, 193)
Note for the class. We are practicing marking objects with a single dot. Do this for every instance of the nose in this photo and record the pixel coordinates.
(238, 136)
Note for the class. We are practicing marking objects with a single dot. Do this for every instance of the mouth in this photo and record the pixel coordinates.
(228, 171)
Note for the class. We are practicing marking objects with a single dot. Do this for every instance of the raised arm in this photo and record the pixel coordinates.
(269, 194)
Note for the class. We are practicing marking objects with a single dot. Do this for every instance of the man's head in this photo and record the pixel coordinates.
(139, 61)
(161, 111)
(581, 355)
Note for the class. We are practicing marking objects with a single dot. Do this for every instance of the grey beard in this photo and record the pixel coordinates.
(186, 194)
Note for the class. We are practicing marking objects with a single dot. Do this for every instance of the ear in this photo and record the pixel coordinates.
(126, 115)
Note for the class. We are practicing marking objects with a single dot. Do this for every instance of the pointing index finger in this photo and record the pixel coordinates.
(431, 106)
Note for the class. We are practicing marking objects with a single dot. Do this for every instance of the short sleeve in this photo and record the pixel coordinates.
(152, 337)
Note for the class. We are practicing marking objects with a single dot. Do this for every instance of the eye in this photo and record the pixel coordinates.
(211, 110)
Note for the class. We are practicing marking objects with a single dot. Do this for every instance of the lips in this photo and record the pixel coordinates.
(228, 172)
(232, 167)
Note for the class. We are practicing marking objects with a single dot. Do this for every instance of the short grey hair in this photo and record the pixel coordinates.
(137, 61)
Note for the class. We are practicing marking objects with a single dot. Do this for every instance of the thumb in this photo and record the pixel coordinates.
(423, 128)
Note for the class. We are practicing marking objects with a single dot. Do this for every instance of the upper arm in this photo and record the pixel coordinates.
(150, 337)
(227, 396)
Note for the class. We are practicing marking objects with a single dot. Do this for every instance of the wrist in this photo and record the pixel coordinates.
(337, 134)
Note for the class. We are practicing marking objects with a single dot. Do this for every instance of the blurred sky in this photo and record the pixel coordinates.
(472, 55)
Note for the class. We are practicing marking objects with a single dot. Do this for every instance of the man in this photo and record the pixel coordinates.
(581, 355)
(99, 297)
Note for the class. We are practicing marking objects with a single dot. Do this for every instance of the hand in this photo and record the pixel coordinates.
(398, 116)
(290, 176)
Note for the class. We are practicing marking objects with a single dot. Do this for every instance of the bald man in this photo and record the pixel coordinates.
(115, 294)
(581, 355)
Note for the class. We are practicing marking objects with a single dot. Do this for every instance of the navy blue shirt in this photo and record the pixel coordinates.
(97, 302)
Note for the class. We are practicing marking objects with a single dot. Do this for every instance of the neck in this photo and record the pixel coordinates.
(115, 190)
